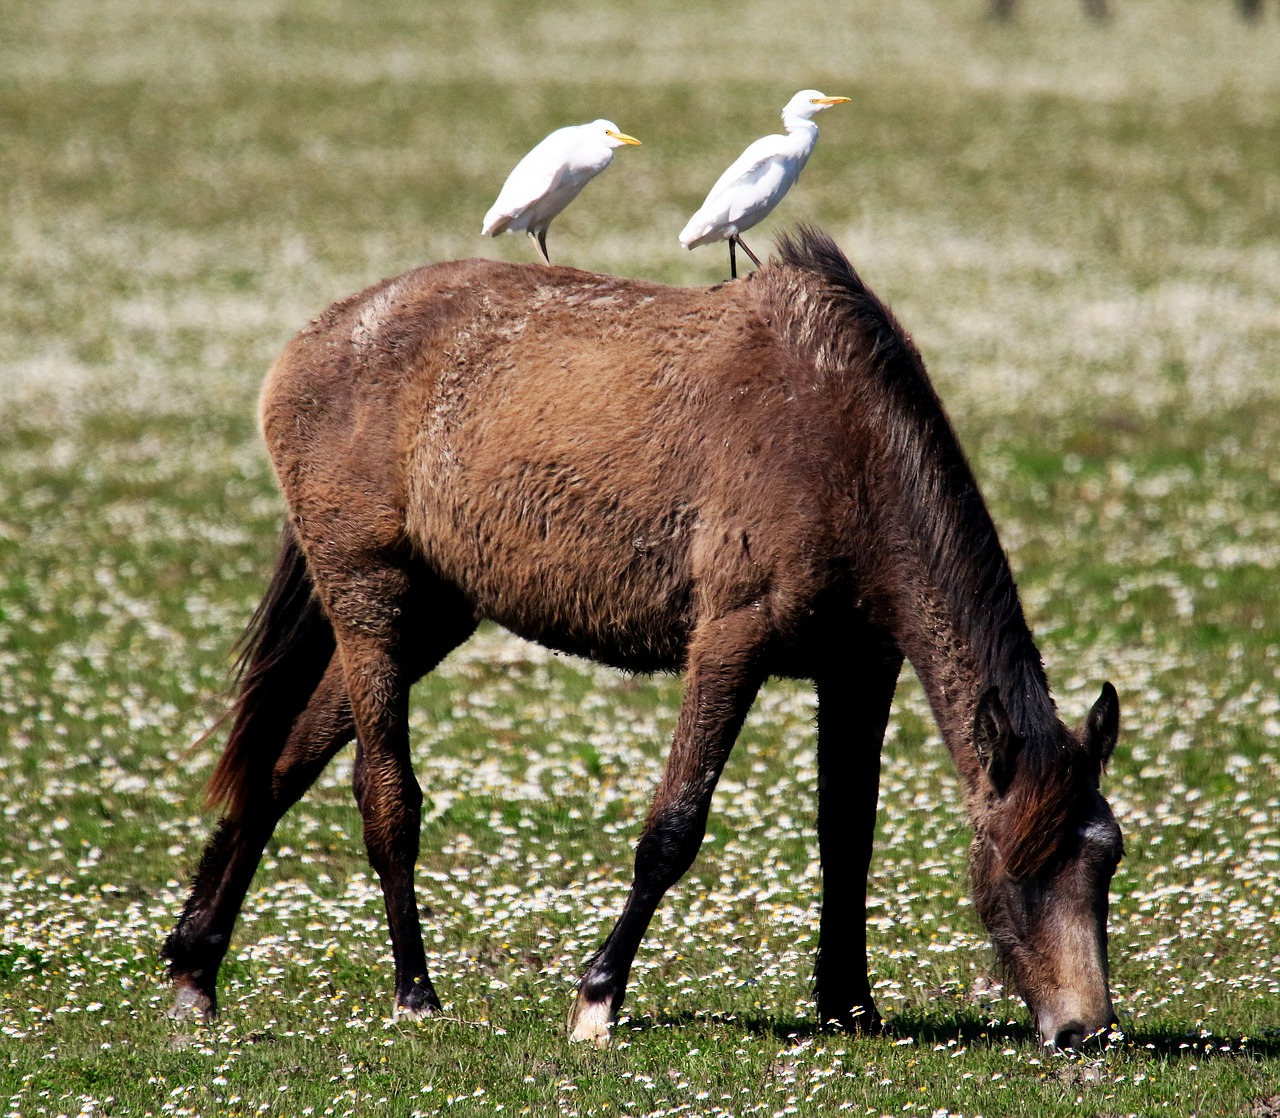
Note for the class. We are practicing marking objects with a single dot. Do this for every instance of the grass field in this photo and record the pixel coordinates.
(1080, 224)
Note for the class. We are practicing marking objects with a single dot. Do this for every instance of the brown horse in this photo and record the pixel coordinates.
(749, 480)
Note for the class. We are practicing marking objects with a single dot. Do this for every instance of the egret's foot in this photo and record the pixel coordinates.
(540, 243)
(191, 1002)
(590, 1021)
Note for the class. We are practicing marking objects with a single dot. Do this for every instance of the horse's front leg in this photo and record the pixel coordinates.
(721, 682)
(853, 710)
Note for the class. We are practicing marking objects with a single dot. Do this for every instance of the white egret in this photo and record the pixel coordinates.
(550, 177)
(756, 181)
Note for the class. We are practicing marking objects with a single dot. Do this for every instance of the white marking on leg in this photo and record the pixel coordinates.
(590, 1022)
(190, 1002)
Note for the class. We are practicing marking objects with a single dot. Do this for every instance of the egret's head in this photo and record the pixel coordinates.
(609, 134)
(809, 101)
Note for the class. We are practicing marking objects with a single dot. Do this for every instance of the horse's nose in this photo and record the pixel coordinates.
(1070, 1035)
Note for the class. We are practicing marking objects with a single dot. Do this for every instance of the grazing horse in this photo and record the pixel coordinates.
(749, 480)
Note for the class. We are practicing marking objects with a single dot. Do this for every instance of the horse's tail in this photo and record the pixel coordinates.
(282, 657)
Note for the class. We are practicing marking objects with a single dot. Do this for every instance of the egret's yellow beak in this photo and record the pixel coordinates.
(830, 100)
(622, 136)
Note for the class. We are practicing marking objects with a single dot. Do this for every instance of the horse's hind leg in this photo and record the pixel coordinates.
(368, 610)
(853, 710)
(390, 802)
(198, 944)
(723, 676)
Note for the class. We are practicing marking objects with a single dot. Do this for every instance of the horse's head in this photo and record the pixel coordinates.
(1045, 848)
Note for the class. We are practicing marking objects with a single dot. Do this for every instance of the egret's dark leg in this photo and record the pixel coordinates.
(539, 240)
(733, 259)
(754, 258)
(853, 709)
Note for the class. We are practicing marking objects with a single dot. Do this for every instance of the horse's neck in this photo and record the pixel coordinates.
(956, 665)
(953, 605)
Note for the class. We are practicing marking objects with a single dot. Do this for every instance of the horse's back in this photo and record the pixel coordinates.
(617, 456)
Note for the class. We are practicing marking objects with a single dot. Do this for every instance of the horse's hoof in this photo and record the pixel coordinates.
(415, 1000)
(192, 1002)
(414, 1012)
(590, 1022)
(418, 1005)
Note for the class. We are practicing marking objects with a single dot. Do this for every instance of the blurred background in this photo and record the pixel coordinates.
(1068, 211)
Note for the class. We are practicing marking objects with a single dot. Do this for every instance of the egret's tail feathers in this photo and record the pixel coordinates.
(699, 231)
(495, 223)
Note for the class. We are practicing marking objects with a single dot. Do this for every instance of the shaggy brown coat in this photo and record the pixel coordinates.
(750, 480)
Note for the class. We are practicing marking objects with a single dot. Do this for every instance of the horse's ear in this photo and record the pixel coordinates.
(1102, 726)
(994, 740)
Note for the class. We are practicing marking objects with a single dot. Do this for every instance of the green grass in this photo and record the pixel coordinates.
(1081, 226)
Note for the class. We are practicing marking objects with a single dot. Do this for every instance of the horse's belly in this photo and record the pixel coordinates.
(566, 567)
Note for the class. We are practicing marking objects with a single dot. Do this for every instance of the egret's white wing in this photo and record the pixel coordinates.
(746, 192)
(754, 196)
(535, 177)
(750, 163)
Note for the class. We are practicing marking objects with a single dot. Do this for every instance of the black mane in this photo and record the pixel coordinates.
(842, 326)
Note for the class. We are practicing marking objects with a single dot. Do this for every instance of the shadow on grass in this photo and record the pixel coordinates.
(966, 1028)
(970, 1029)
(1174, 1043)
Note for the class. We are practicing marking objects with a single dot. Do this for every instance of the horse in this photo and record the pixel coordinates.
(755, 479)
(1094, 9)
